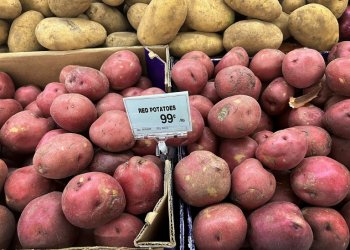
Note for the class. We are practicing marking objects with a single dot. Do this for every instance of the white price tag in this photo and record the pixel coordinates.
(160, 116)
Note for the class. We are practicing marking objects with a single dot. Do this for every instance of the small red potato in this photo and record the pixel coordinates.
(320, 181)
(189, 75)
(144, 83)
(275, 97)
(26, 94)
(88, 82)
(261, 136)
(265, 123)
(7, 87)
(202, 179)
(73, 112)
(339, 50)
(213, 227)
(208, 141)
(307, 115)
(120, 232)
(3, 174)
(235, 151)
(267, 64)
(303, 67)
(275, 151)
(251, 184)
(329, 228)
(49, 135)
(235, 56)
(336, 119)
(152, 91)
(111, 101)
(338, 79)
(145, 147)
(209, 92)
(235, 116)
(64, 155)
(279, 225)
(123, 69)
(112, 132)
(7, 227)
(283, 191)
(202, 104)
(142, 182)
(9, 107)
(33, 106)
(203, 58)
(92, 199)
(340, 149)
(131, 91)
(323, 95)
(46, 97)
(65, 70)
(42, 224)
(22, 132)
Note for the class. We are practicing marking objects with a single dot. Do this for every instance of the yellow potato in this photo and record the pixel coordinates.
(4, 31)
(122, 39)
(253, 35)
(10, 9)
(22, 32)
(39, 5)
(161, 22)
(68, 8)
(113, 2)
(282, 23)
(209, 43)
(135, 13)
(56, 33)
(289, 6)
(337, 7)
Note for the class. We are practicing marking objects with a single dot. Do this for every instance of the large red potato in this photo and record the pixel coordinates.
(9, 107)
(111, 101)
(203, 58)
(208, 141)
(65, 70)
(213, 227)
(46, 97)
(306, 115)
(202, 179)
(320, 181)
(235, 116)
(7, 87)
(279, 225)
(261, 136)
(3, 173)
(340, 49)
(7, 227)
(337, 119)
(235, 56)
(329, 228)
(338, 79)
(92, 199)
(340, 150)
(142, 182)
(42, 224)
(26, 94)
(49, 135)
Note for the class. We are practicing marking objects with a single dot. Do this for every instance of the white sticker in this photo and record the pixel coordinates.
(160, 115)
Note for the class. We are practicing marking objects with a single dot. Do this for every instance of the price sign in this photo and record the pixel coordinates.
(161, 115)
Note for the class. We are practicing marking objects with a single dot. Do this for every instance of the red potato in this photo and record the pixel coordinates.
(333, 100)
(26, 94)
(265, 123)
(203, 58)
(236, 80)
(152, 91)
(156, 160)
(92, 199)
(144, 83)
(145, 147)
(252, 185)
(87, 81)
(42, 224)
(235, 116)
(303, 67)
(22, 132)
(46, 97)
(235, 151)
(275, 98)
(345, 212)
(111, 101)
(323, 95)
(283, 191)
(3, 174)
(33, 106)
(123, 69)
(64, 71)
(320, 181)
(235, 56)
(120, 232)
(208, 141)
(189, 75)
(202, 104)
(63, 156)
(279, 225)
(261, 136)
(329, 228)
(307, 115)
(340, 150)
(202, 179)
(257, 89)
(339, 50)
(49, 135)
(7, 87)
(112, 132)
(209, 92)
(131, 91)
(73, 112)
(9, 107)
(213, 227)
(267, 64)
(338, 79)
(275, 151)
(17, 193)
(7, 227)
(336, 119)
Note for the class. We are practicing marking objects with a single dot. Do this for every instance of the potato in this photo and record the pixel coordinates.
(209, 92)
(157, 26)
(9, 108)
(3, 173)
(120, 232)
(122, 39)
(268, 11)
(111, 101)
(131, 91)
(7, 227)
(208, 141)
(235, 56)
(261, 136)
(323, 95)
(132, 2)
(56, 33)
(333, 100)
(152, 91)
(45, 98)
(65, 70)
(320, 181)
(253, 35)
(288, 6)
(68, 8)
(235, 151)
(337, 80)
(113, 2)
(202, 179)
(135, 14)
(17, 193)
(104, 130)
(64, 155)
(10, 9)
(202, 104)
(203, 58)
(337, 7)
(279, 225)
(336, 119)
(49, 135)
(26, 94)
(212, 227)
(39, 5)
(339, 150)
(207, 42)
(283, 191)
(328, 226)
(282, 23)
(33, 106)
(7, 87)
(144, 83)
(265, 123)
(4, 31)
(302, 27)
(306, 115)
(341, 49)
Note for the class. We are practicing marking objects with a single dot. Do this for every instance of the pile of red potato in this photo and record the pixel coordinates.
(269, 155)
